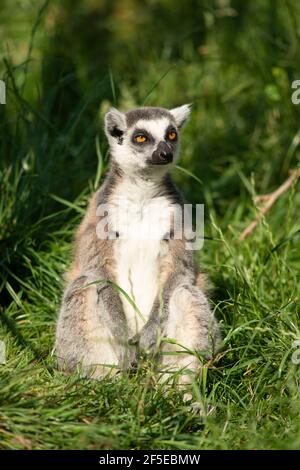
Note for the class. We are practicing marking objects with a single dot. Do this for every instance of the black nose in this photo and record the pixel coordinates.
(162, 155)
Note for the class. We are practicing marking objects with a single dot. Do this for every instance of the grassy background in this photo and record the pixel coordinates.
(65, 62)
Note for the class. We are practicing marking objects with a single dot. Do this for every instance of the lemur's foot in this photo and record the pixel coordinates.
(197, 407)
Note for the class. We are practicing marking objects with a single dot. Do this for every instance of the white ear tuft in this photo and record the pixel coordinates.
(115, 123)
(181, 114)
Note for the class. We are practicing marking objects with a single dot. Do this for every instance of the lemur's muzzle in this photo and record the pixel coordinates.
(162, 155)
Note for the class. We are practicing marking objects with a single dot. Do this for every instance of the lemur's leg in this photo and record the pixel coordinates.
(91, 330)
(192, 325)
(181, 314)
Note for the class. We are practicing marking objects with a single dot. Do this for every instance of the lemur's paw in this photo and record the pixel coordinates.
(198, 408)
(147, 341)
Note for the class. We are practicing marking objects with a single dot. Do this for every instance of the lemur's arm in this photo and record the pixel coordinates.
(178, 266)
(94, 263)
(153, 328)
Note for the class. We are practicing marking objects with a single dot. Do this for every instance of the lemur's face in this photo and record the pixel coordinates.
(145, 138)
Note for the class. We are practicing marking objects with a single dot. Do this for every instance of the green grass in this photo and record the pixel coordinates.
(241, 141)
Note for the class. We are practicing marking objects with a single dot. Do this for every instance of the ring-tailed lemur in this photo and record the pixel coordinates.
(125, 291)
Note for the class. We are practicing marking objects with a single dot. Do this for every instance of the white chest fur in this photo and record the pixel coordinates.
(141, 218)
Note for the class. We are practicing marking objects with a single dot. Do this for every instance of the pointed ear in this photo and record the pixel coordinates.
(181, 114)
(114, 123)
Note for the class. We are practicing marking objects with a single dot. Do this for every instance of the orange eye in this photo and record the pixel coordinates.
(140, 138)
(172, 135)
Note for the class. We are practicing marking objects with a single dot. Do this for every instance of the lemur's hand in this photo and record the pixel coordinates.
(149, 337)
